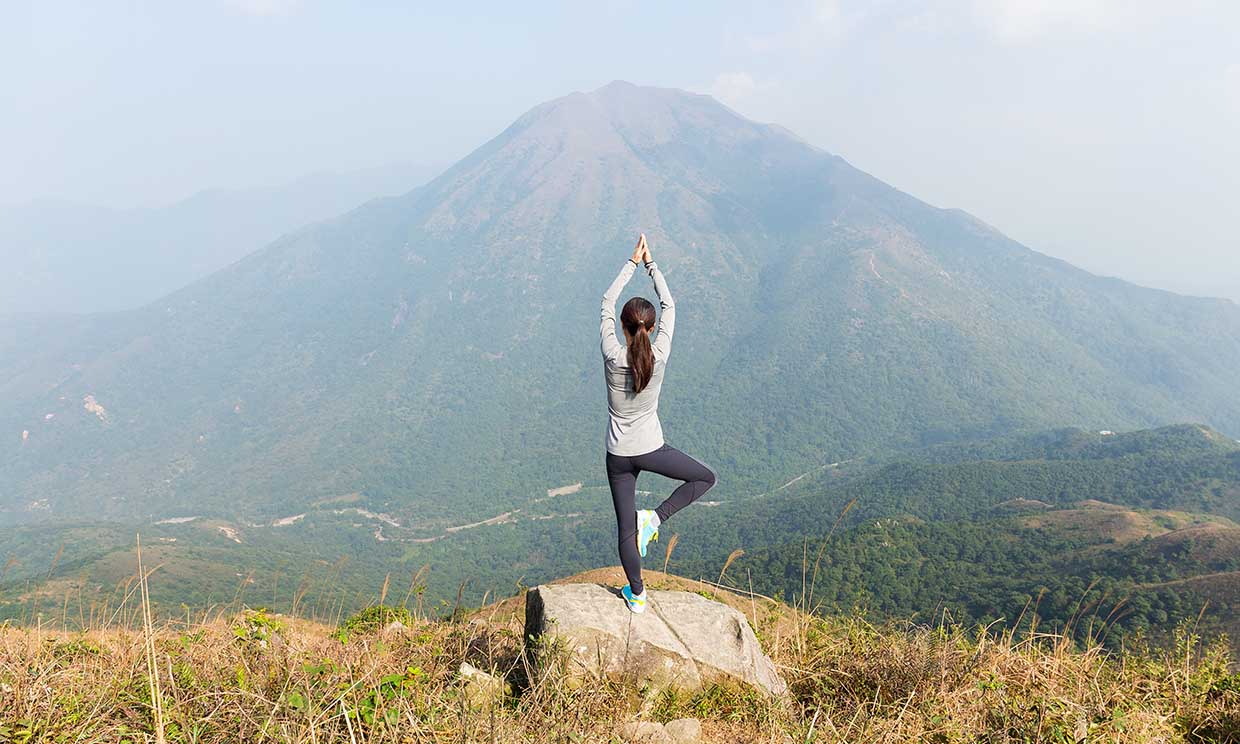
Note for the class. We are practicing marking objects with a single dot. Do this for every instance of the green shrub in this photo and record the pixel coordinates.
(370, 620)
(257, 627)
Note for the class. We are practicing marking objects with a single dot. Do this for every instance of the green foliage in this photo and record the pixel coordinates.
(69, 650)
(372, 619)
(257, 627)
(375, 706)
(24, 731)
(719, 702)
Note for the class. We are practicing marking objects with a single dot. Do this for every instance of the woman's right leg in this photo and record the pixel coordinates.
(622, 477)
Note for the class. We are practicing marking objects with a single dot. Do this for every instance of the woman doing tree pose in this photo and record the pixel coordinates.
(634, 375)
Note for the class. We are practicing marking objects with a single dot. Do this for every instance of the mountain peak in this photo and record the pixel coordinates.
(619, 86)
(608, 157)
(642, 116)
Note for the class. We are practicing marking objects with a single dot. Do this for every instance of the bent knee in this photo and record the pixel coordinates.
(709, 479)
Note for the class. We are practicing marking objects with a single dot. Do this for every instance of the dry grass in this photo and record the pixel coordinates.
(255, 677)
(1099, 521)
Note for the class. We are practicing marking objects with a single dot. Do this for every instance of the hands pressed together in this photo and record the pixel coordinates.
(641, 253)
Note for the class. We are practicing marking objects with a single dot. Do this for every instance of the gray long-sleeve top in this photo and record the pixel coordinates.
(633, 426)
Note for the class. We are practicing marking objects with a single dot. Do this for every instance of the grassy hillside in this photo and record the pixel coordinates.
(255, 676)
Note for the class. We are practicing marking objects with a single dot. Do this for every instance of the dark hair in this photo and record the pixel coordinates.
(637, 317)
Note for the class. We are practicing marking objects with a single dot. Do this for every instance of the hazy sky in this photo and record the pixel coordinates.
(1100, 131)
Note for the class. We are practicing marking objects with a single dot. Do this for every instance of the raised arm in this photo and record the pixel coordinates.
(607, 329)
(667, 313)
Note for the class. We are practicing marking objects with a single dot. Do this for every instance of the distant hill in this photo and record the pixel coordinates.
(64, 257)
(1136, 531)
(435, 354)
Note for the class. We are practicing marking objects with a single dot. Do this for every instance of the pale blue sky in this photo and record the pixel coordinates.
(1101, 131)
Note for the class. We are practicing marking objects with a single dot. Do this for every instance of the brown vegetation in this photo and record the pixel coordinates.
(255, 677)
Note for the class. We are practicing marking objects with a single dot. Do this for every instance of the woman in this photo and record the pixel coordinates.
(634, 375)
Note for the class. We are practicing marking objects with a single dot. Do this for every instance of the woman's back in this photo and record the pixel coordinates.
(633, 426)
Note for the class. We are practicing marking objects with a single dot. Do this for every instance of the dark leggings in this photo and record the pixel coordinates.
(622, 475)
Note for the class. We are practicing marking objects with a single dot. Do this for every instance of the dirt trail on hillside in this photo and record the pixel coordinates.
(1187, 579)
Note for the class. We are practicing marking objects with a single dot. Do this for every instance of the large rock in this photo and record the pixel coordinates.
(683, 640)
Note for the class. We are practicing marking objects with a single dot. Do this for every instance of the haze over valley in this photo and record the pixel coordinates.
(65, 257)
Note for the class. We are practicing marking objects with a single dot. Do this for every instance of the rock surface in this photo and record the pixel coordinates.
(680, 731)
(645, 732)
(684, 730)
(683, 640)
(480, 688)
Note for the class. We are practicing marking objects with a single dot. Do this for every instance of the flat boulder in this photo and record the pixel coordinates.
(683, 640)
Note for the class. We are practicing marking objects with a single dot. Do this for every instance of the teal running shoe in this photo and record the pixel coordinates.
(647, 529)
(636, 602)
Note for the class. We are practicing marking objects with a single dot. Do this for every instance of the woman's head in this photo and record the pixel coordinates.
(637, 319)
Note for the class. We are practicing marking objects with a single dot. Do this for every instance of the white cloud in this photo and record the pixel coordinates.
(264, 7)
(1231, 77)
(1027, 20)
(825, 15)
(733, 87)
(1231, 87)
(819, 22)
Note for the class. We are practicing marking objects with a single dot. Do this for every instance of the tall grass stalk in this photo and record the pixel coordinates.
(148, 638)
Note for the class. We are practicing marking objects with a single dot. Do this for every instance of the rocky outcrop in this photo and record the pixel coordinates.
(683, 640)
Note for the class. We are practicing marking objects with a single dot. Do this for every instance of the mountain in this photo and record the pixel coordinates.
(64, 257)
(433, 356)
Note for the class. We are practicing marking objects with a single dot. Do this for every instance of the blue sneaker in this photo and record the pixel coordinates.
(636, 602)
(647, 529)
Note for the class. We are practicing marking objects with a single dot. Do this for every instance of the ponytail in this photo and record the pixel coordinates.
(641, 358)
(637, 317)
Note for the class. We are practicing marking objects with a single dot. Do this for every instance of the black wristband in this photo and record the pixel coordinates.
(633, 262)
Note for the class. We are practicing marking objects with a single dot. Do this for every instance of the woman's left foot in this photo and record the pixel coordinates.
(647, 529)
